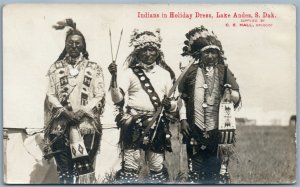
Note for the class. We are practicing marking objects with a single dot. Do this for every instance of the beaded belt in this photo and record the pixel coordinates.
(138, 112)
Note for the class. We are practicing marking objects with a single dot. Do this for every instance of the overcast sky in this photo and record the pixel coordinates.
(262, 58)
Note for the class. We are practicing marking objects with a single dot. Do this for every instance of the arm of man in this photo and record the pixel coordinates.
(234, 87)
(182, 109)
(51, 94)
(123, 86)
(184, 126)
(98, 92)
(172, 102)
(116, 93)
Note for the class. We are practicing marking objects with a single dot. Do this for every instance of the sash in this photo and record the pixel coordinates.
(147, 86)
(160, 112)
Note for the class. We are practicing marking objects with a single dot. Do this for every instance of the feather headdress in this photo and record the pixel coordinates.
(200, 39)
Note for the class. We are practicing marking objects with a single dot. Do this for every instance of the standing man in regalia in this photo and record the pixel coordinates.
(74, 102)
(208, 81)
(143, 87)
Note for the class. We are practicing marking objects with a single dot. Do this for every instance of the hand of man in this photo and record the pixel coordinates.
(166, 102)
(79, 114)
(126, 119)
(112, 68)
(185, 129)
(69, 116)
(227, 95)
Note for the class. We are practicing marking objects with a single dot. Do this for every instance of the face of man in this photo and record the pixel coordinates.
(74, 45)
(148, 55)
(210, 57)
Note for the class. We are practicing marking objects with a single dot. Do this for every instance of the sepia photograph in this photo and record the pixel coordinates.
(149, 94)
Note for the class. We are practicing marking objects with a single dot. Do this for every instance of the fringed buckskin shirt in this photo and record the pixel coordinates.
(85, 91)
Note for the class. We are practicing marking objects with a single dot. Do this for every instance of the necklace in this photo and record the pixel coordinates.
(208, 99)
(73, 63)
(74, 71)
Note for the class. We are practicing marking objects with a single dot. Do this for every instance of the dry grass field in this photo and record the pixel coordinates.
(267, 155)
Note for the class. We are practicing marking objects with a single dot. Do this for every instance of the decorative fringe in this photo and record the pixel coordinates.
(125, 124)
(88, 178)
(88, 125)
(227, 150)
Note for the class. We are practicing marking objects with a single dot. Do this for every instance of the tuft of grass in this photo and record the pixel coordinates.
(109, 178)
(267, 155)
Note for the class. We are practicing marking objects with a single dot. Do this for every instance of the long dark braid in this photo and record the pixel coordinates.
(62, 55)
(85, 54)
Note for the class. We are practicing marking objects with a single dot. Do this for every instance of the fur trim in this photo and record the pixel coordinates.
(141, 39)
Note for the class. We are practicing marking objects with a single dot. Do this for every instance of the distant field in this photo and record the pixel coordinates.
(267, 155)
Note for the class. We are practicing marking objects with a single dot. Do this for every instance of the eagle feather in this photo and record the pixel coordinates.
(66, 23)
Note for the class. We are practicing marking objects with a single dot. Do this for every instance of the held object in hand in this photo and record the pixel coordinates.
(113, 83)
(159, 113)
(227, 124)
(166, 103)
(76, 143)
